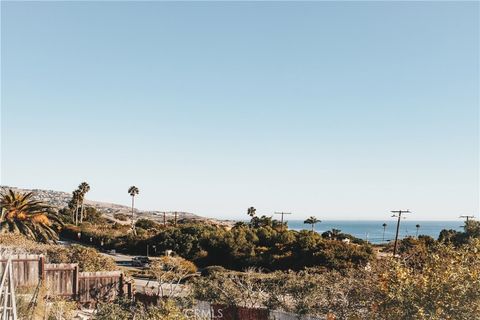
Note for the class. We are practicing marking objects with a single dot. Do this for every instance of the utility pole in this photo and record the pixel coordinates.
(467, 218)
(175, 221)
(282, 213)
(164, 219)
(397, 213)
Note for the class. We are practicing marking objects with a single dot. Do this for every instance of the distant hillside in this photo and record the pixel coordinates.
(60, 199)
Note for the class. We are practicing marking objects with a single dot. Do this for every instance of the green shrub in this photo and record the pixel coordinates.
(121, 216)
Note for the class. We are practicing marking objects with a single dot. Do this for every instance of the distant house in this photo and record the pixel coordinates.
(346, 240)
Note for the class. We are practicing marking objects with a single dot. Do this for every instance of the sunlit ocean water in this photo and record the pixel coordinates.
(373, 230)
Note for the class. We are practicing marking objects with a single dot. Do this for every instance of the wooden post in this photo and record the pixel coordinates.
(41, 268)
(121, 284)
(75, 283)
(130, 291)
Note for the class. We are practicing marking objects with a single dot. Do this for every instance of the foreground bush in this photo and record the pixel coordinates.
(125, 310)
(447, 286)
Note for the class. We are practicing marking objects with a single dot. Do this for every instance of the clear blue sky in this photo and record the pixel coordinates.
(339, 110)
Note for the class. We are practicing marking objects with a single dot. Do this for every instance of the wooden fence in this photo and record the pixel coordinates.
(26, 268)
(103, 286)
(61, 279)
(65, 280)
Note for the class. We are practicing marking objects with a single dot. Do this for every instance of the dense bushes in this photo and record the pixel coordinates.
(265, 247)
(445, 285)
(263, 243)
(91, 215)
(148, 225)
(471, 231)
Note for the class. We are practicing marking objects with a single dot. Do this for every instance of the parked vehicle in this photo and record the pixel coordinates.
(141, 262)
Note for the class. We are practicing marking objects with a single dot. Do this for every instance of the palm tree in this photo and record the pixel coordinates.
(384, 225)
(83, 188)
(133, 191)
(251, 211)
(74, 204)
(334, 233)
(418, 227)
(313, 221)
(21, 213)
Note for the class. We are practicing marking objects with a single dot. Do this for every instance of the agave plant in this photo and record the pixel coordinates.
(21, 213)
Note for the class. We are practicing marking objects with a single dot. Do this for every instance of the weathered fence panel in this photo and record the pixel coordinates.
(99, 286)
(26, 268)
(64, 279)
(60, 279)
(238, 313)
(252, 314)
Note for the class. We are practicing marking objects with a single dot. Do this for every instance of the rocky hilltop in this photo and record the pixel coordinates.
(60, 199)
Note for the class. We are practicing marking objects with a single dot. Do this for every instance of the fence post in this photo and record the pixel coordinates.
(121, 284)
(130, 293)
(75, 288)
(41, 268)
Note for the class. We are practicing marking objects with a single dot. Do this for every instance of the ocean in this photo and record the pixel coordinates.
(373, 229)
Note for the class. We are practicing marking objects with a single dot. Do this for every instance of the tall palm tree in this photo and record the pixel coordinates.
(21, 213)
(251, 211)
(133, 191)
(384, 225)
(418, 227)
(74, 204)
(313, 221)
(84, 188)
